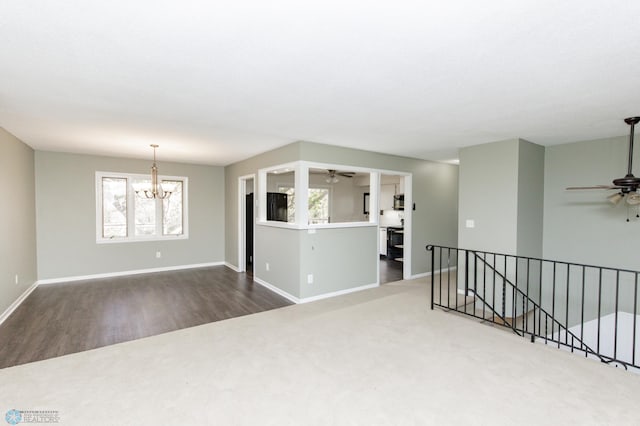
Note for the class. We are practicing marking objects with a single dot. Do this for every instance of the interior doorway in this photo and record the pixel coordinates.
(391, 225)
(246, 223)
(249, 215)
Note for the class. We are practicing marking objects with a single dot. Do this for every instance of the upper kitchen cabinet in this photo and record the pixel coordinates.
(390, 185)
(387, 191)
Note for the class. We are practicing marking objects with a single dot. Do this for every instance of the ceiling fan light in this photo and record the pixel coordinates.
(633, 199)
(615, 198)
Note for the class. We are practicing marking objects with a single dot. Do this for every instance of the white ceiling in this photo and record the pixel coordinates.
(216, 82)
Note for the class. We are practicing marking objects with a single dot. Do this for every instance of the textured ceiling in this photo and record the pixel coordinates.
(217, 82)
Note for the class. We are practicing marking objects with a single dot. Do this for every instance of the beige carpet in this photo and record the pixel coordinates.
(377, 357)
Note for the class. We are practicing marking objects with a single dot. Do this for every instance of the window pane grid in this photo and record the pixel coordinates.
(114, 208)
(123, 215)
(144, 212)
(172, 222)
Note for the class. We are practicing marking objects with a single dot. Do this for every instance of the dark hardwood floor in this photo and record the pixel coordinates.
(60, 319)
(390, 270)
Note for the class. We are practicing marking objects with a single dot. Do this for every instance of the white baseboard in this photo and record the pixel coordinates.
(338, 293)
(427, 274)
(298, 300)
(17, 302)
(276, 290)
(124, 273)
(230, 266)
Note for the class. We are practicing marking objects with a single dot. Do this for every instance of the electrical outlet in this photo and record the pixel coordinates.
(310, 279)
(158, 255)
(266, 265)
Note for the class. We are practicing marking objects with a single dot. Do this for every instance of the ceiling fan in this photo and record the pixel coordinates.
(626, 186)
(332, 175)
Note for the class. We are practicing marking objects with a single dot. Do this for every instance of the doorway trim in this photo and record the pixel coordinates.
(242, 191)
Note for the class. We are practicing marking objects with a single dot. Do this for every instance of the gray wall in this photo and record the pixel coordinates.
(330, 254)
(434, 222)
(489, 196)
(435, 193)
(501, 189)
(232, 172)
(280, 248)
(17, 219)
(581, 226)
(66, 218)
(530, 199)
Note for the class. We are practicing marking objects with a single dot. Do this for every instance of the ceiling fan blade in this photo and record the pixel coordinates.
(346, 174)
(571, 188)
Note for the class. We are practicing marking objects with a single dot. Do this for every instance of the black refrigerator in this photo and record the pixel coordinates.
(277, 206)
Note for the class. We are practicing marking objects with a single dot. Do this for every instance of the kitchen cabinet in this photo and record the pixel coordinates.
(386, 196)
(383, 241)
(395, 243)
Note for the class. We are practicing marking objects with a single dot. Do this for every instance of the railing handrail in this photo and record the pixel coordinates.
(430, 247)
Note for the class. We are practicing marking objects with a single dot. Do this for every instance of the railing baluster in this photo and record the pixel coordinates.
(582, 311)
(599, 307)
(433, 272)
(539, 294)
(484, 286)
(566, 323)
(526, 310)
(513, 299)
(553, 306)
(440, 272)
(449, 282)
(475, 283)
(504, 290)
(615, 327)
(635, 319)
(493, 292)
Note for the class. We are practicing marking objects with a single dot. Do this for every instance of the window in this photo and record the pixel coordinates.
(291, 201)
(122, 215)
(304, 195)
(318, 205)
(281, 196)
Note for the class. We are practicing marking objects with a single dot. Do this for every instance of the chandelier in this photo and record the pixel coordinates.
(157, 190)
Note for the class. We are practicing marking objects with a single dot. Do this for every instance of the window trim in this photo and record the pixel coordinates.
(131, 237)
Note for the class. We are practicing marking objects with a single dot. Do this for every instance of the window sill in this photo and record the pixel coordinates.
(142, 240)
(335, 225)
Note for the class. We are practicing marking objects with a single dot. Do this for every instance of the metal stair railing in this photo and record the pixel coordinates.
(554, 293)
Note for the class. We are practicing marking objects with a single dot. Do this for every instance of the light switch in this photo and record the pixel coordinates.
(471, 223)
